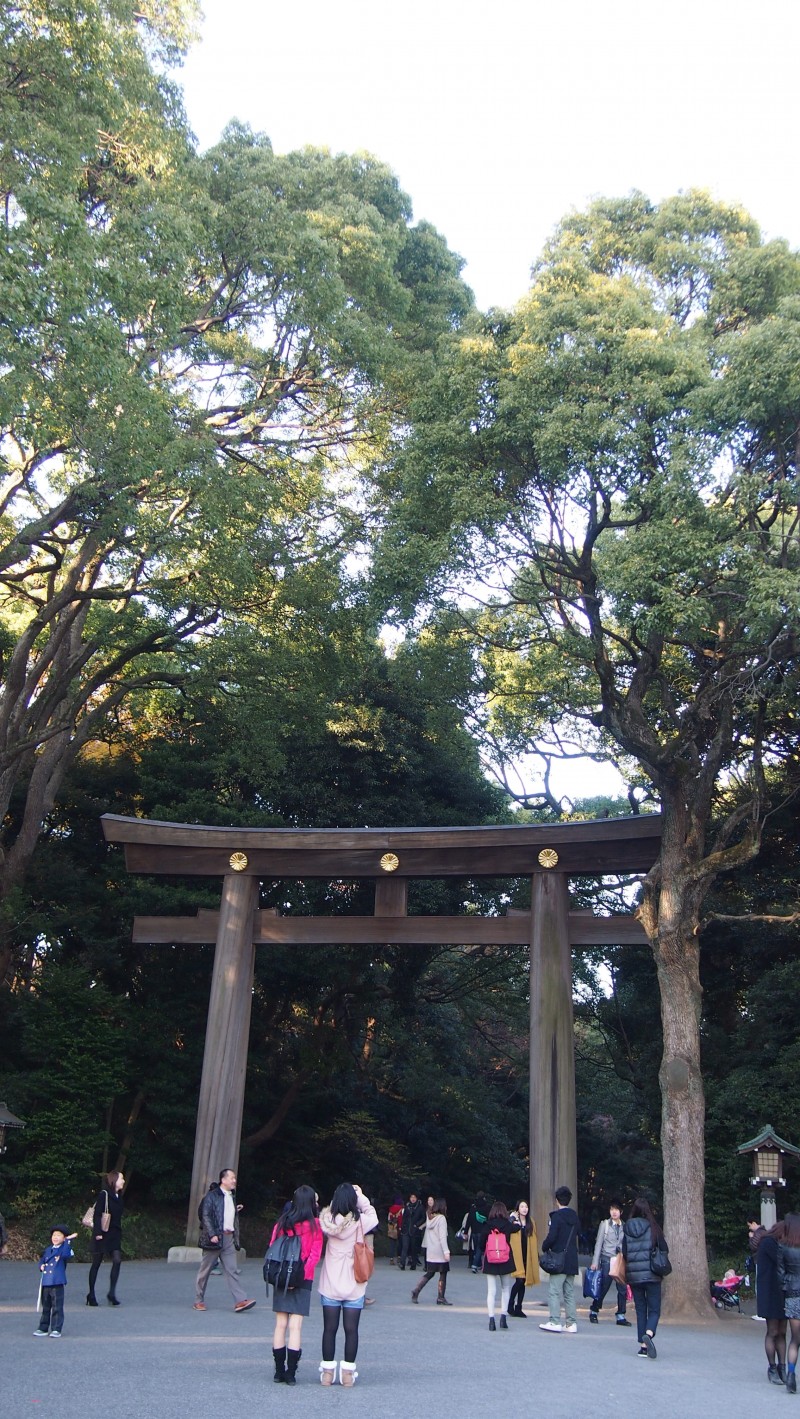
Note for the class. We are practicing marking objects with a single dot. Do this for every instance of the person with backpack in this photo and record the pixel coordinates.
(478, 1217)
(498, 1263)
(394, 1225)
(297, 1236)
(437, 1250)
(562, 1241)
(345, 1223)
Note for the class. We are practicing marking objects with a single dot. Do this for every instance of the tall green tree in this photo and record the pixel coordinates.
(196, 353)
(614, 465)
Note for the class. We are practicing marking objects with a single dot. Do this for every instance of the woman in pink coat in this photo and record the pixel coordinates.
(347, 1221)
(299, 1219)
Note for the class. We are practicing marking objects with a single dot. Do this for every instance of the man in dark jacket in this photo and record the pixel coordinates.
(411, 1232)
(562, 1236)
(219, 1238)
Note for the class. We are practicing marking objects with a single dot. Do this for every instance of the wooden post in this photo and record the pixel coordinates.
(219, 1112)
(553, 1148)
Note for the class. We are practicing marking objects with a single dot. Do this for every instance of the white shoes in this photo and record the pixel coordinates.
(551, 1325)
(570, 1329)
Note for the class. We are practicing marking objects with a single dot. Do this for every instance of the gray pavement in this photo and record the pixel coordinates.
(155, 1358)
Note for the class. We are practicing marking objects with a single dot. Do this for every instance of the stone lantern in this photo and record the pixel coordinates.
(7, 1120)
(767, 1170)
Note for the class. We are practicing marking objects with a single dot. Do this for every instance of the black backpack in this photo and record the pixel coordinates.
(283, 1265)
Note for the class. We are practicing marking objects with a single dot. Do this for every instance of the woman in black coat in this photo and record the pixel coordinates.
(769, 1303)
(109, 1243)
(641, 1233)
(788, 1239)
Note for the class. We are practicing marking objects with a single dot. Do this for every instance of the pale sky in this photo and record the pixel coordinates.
(499, 117)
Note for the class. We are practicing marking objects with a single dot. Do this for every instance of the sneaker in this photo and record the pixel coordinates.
(551, 1325)
(593, 1318)
(622, 1321)
(40, 1332)
(570, 1329)
(55, 1334)
(244, 1305)
(642, 1352)
(649, 1346)
(199, 1306)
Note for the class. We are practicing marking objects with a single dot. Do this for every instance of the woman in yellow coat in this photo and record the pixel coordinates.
(525, 1252)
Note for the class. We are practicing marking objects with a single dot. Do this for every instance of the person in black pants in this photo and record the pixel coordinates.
(108, 1243)
(641, 1233)
(411, 1235)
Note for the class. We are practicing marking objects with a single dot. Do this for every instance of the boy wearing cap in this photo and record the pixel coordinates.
(53, 1266)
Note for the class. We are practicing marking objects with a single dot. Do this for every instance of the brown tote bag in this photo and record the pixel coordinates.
(616, 1267)
(363, 1258)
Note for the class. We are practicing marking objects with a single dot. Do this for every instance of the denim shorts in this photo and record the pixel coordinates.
(357, 1305)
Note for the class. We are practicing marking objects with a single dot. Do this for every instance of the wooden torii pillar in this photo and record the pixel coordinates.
(549, 854)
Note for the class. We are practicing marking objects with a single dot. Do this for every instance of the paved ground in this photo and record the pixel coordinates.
(156, 1358)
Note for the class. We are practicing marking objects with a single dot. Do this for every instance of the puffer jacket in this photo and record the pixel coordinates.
(637, 1242)
(212, 1218)
(788, 1269)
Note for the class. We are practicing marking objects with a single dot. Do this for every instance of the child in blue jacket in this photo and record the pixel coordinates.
(53, 1266)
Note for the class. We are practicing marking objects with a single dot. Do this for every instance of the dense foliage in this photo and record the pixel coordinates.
(219, 374)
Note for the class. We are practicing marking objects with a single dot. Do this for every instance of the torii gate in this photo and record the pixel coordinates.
(548, 853)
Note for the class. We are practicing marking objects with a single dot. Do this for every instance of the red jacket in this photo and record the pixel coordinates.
(311, 1239)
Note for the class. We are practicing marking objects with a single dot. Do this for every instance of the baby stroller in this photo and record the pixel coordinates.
(725, 1293)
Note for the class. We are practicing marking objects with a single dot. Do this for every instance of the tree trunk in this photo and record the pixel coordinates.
(670, 916)
(682, 1127)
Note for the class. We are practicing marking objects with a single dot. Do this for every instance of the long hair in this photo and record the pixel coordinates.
(440, 1206)
(302, 1208)
(527, 1225)
(111, 1178)
(344, 1200)
(788, 1231)
(642, 1208)
(498, 1209)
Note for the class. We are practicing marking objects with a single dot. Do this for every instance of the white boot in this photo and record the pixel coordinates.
(327, 1372)
(348, 1374)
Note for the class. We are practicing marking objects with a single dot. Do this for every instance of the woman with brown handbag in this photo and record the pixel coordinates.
(345, 1224)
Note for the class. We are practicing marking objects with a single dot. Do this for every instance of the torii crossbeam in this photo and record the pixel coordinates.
(548, 853)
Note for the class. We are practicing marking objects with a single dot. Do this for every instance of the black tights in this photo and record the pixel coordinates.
(515, 1299)
(794, 1341)
(330, 1325)
(116, 1262)
(775, 1342)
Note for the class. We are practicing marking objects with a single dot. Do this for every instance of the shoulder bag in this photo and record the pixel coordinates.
(554, 1262)
(363, 1258)
(660, 1264)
